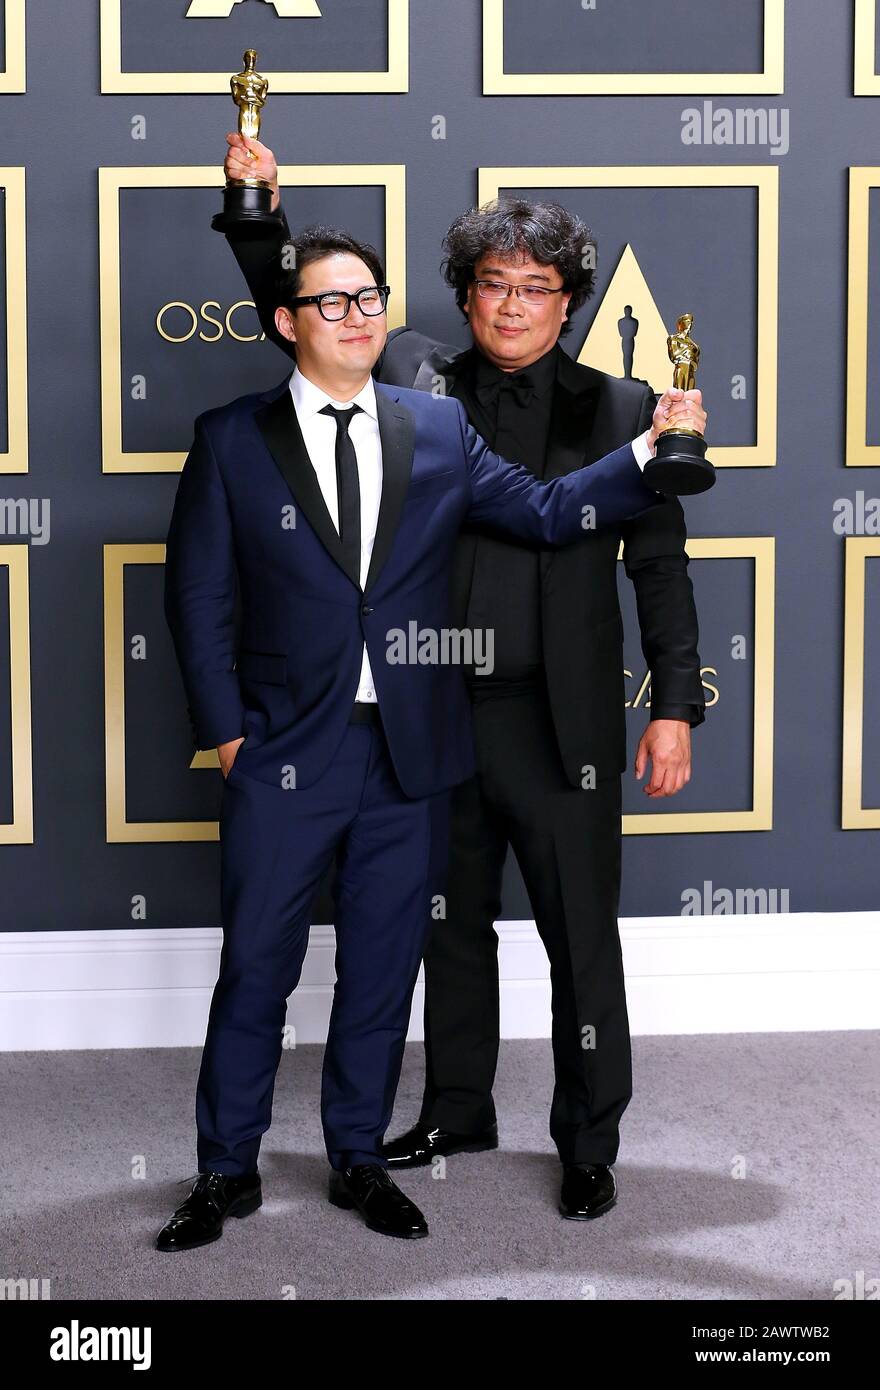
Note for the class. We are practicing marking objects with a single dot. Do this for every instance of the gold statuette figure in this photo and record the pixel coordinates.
(680, 464)
(684, 354)
(249, 92)
(248, 202)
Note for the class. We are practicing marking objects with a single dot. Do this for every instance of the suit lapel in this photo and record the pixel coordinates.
(397, 433)
(574, 438)
(281, 433)
(575, 425)
(280, 429)
(464, 557)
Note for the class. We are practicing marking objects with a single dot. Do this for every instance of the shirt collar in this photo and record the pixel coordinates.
(309, 399)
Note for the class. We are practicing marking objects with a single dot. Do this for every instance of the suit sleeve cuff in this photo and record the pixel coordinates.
(691, 714)
(222, 721)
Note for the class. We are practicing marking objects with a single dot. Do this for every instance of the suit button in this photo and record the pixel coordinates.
(366, 610)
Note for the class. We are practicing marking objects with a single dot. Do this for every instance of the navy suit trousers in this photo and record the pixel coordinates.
(276, 845)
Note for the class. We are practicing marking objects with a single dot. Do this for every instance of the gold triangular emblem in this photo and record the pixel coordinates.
(628, 312)
(221, 9)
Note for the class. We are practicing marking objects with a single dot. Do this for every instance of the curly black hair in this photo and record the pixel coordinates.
(516, 227)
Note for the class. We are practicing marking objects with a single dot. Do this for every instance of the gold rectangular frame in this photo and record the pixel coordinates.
(13, 78)
(855, 816)
(859, 454)
(120, 830)
(761, 454)
(497, 82)
(15, 458)
(866, 79)
(395, 78)
(761, 549)
(111, 181)
(20, 830)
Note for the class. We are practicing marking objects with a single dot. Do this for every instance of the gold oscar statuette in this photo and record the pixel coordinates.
(680, 465)
(248, 202)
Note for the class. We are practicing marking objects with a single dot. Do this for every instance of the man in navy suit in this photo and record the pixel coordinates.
(333, 504)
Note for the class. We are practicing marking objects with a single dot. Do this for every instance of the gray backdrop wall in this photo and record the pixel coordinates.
(110, 483)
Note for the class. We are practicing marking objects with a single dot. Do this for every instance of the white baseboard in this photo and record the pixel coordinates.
(756, 973)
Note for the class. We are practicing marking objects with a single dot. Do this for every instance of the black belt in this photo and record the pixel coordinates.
(364, 713)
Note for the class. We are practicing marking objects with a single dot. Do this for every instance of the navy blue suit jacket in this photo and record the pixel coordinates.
(250, 528)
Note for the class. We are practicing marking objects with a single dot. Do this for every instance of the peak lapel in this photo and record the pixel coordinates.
(282, 435)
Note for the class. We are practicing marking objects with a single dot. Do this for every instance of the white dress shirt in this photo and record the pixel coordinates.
(319, 436)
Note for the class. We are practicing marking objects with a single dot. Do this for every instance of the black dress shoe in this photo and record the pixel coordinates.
(214, 1197)
(379, 1200)
(420, 1145)
(588, 1190)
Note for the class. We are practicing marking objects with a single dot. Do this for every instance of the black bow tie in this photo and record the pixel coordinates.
(519, 385)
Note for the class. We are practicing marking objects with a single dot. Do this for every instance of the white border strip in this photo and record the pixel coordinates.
(786, 972)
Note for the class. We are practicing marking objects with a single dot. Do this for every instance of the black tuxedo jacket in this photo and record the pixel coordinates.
(582, 629)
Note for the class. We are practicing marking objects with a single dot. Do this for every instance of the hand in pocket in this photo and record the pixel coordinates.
(226, 752)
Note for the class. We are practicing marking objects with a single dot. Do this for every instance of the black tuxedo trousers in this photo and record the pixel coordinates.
(567, 842)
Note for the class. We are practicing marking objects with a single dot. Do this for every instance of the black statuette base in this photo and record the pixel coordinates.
(247, 207)
(680, 465)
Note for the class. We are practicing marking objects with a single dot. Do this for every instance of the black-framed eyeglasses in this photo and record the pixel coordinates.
(334, 305)
(500, 289)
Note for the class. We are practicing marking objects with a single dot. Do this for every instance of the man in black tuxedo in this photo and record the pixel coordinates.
(549, 722)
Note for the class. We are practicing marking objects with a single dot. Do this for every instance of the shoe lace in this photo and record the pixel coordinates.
(206, 1186)
(376, 1175)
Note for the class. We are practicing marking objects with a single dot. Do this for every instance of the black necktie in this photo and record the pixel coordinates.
(348, 492)
(519, 384)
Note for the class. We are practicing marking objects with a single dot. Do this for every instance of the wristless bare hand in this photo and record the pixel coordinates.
(678, 409)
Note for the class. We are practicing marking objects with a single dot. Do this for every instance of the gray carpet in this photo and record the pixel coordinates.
(796, 1114)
